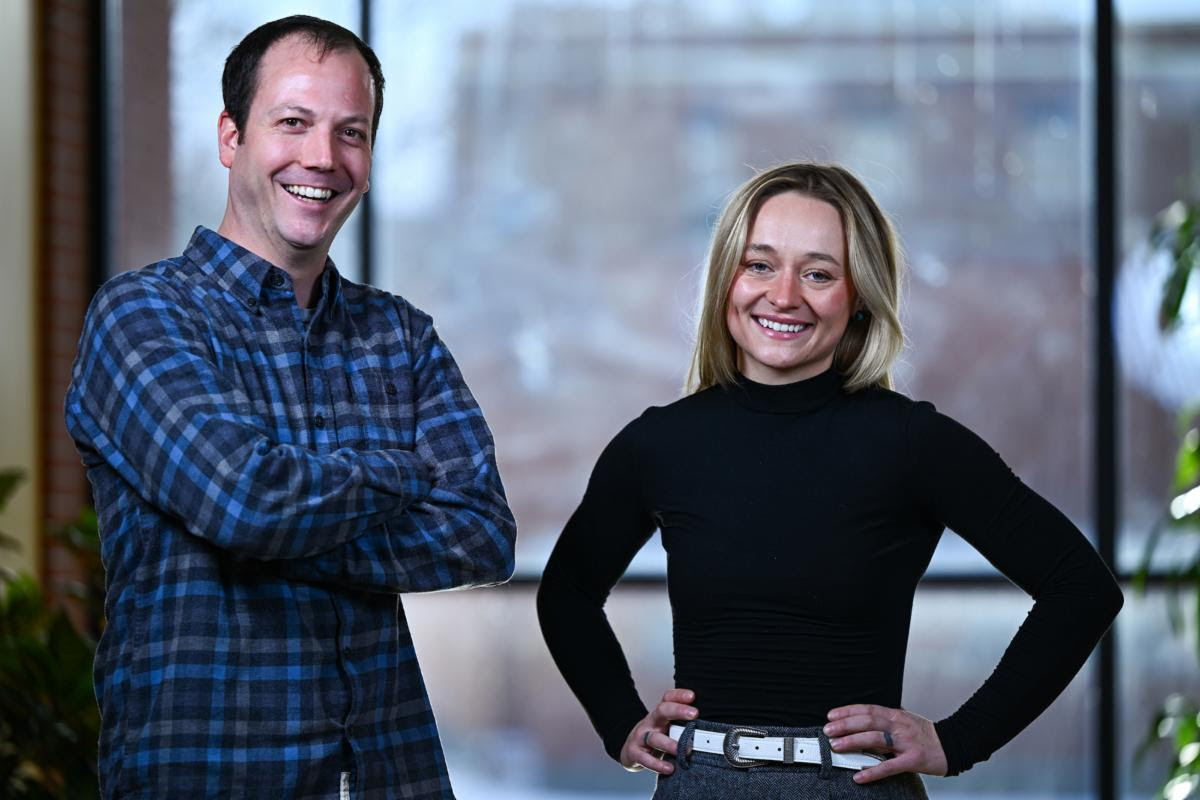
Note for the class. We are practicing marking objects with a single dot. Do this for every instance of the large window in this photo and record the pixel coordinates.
(546, 176)
(1159, 138)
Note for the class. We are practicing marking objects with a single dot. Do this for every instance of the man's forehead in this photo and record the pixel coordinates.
(293, 53)
(299, 45)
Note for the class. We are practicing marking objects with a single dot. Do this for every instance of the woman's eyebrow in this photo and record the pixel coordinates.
(814, 255)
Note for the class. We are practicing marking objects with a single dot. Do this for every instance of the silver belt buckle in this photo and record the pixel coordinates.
(731, 747)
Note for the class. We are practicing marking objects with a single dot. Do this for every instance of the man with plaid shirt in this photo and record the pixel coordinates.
(277, 453)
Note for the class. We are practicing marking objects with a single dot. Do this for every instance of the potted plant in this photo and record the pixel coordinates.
(49, 722)
(1176, 236)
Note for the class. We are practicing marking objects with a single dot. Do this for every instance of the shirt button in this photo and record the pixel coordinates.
(252, 302)
(319, 421)
(277, 279)
(390, 389)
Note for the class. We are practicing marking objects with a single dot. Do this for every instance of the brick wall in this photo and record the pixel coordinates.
(142, 148)
(86, 227)
(68, 120)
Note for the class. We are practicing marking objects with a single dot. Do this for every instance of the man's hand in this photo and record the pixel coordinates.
(649, 740)
(910, 738)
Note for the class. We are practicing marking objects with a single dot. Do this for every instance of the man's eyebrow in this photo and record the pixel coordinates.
(298, 110)
(304, 111)
(814, 255)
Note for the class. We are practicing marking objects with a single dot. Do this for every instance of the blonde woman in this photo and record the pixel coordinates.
(800, 500)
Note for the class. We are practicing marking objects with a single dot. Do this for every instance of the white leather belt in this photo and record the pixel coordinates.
(747, 747)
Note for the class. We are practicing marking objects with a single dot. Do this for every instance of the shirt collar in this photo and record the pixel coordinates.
(242, 273)
(787, 398)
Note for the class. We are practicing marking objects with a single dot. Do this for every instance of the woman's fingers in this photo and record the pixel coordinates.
(643, 757)
(909, 738)
(856, 719)
(855, 710)
(679, 696)
(871, 740)
(885, 769)
(661, 742)
(666, 712)
(648, 742)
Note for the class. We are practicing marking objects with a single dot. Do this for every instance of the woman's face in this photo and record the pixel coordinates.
(791, 297)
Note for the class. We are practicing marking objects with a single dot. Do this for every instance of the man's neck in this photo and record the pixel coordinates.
(304, 268)
(304, 279)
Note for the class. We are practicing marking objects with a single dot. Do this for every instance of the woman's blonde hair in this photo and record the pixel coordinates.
(865, 354)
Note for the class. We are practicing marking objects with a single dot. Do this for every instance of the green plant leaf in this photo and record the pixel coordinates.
(1187, 460)
(9, 480)
(1185, 258)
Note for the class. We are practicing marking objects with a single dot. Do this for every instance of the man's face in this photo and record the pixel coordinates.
(304, 156)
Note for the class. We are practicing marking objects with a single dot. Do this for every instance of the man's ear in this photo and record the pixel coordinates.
(227, 138)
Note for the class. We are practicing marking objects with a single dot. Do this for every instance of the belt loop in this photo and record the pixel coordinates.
(826, 756)
(684, 757)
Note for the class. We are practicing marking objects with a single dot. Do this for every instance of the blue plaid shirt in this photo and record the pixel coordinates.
(266, 486)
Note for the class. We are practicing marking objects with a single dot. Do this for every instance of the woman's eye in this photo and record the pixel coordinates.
(818, 276)
(757, 266)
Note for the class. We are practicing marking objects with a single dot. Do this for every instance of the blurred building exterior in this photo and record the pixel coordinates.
(546, 177)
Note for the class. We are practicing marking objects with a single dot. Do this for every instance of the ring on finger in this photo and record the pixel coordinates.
(888, 741)
(646, 739)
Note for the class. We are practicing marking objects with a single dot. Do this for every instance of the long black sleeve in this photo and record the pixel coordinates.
(599, 541)
(969, 488)
(777, 506)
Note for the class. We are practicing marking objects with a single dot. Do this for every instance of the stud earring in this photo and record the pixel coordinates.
(859, 315)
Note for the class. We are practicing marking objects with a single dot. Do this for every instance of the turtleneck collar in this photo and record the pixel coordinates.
(786, 398)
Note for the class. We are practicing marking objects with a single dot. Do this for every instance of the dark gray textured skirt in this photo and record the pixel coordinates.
(705, 776)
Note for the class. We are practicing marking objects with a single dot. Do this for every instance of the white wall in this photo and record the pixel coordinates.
(18, 280)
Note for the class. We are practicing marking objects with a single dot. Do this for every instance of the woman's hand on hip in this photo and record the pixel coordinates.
(648, 740)
(909, 738)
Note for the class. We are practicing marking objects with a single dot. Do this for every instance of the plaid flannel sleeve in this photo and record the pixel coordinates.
(147, 398)
(462, 532)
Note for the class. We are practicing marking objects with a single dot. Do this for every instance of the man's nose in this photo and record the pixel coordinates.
(317, 152)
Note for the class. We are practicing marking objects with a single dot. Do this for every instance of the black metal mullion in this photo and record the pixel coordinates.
(1105, 378)
(366, 230)
(99, 169)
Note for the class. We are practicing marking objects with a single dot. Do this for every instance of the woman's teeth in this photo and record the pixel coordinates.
(782, 327)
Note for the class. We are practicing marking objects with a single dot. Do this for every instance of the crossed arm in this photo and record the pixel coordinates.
(149, 398)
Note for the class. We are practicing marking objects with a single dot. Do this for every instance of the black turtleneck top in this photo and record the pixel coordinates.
(797, 521)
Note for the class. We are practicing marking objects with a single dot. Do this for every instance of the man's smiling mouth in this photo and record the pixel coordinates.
(313, 193)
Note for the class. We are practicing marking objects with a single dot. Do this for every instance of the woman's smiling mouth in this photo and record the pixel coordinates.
(782, 327)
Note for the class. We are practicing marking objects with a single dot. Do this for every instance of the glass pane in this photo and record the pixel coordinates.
(167, 178)
(1153, 664)
(550, 173)
(493, 681)
(1160, 163)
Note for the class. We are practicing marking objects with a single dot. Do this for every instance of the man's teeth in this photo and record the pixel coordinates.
(782, 327)
(310, 192)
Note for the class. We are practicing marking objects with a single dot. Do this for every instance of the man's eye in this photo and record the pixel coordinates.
(292, 122)
(354, 133)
